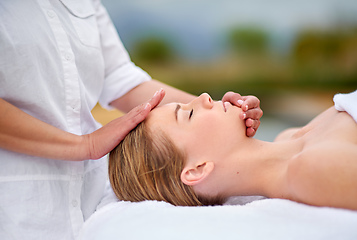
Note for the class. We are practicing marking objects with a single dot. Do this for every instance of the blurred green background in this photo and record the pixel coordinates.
(294, 56)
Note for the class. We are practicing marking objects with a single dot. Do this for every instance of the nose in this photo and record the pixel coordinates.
(203, 100)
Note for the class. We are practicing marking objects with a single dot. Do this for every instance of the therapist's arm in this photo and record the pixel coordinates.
(138, 95)
(20, 132)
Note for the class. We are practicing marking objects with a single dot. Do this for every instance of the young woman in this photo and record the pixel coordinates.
(198, 154)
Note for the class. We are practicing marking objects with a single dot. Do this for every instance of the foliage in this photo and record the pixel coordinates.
(152, 49)
(327, 46)
(249, 40)
(323, 61)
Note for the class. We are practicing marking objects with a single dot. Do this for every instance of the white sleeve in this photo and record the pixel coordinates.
(121, 74)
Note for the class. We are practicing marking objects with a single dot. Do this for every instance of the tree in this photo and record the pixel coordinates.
(249, 40)
(152, 49)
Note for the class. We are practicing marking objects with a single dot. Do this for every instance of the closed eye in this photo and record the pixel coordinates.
(191, 113)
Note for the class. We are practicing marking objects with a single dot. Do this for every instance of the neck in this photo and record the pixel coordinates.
(259, 168)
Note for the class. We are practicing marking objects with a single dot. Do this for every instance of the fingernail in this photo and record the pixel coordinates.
(244, 115)
(147, 106)
(160, 90)
(246, 107)
(240, 102)
(156, 93)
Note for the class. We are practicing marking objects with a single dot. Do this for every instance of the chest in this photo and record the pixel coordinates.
(331, 125)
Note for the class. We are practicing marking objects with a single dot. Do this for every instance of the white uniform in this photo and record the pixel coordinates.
(57, 59)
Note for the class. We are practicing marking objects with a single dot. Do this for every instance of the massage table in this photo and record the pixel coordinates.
(260, 219)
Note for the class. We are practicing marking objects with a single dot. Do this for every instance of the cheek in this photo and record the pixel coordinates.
(214, 126)
(218, 130)
(211, 132)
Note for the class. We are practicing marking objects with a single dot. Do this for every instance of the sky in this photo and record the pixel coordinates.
(198, 26)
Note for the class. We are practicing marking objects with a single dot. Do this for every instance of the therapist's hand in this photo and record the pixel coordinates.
(251, 110)
(105, 139)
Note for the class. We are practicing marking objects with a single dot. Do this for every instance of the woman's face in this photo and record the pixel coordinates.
(202, 128)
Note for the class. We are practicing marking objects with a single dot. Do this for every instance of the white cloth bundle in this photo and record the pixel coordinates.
(347, 102)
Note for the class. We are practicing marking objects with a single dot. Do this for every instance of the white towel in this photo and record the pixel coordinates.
(347, 102)
(274, 219)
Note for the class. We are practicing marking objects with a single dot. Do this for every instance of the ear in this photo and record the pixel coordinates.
(192, 175)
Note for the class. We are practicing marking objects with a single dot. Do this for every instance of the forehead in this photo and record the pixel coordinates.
(164, 113)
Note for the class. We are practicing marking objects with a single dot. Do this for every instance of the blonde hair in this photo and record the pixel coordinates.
(144, 167)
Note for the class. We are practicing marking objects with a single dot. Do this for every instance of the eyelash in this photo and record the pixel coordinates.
(191, 113)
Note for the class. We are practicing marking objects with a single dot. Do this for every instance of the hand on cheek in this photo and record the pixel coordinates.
(251, 110)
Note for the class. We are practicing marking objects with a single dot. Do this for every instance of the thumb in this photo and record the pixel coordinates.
(106, 138)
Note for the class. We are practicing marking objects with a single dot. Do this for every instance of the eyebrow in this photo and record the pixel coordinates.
(176, 110)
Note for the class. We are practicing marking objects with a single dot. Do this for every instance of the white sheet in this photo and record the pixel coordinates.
(263, 219)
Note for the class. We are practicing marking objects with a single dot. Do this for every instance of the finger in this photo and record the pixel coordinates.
(233, 98)
(135, 116)
(250, 123)
(255, 113)
(103, 140)
(250, 132)
(139, 113)
(157, 98)
(250, 102)
(252, 126)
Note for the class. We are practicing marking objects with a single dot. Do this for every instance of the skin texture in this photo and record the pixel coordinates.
(315, 164)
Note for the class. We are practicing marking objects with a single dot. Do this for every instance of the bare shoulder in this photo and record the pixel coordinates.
(325, 175)
(319, 120)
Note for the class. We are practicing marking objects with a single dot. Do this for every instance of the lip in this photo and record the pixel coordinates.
(224, 108)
